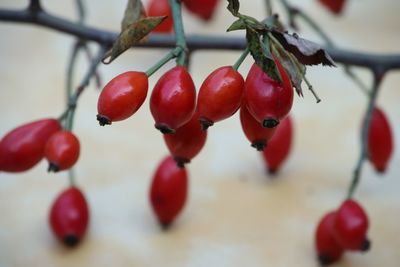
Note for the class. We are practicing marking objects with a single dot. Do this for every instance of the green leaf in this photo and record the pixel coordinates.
(134, 11)
(237, 25)
(131, 36)
(261, 54)
(233, 7)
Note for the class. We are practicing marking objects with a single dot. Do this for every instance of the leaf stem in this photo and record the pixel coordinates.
(179, 31)
(241, 59)
(172, 54)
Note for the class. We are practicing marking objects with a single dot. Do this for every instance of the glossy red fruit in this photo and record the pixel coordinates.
(351, 225)
(23, 147)
(203, 9)
(187, 141)
(69, 216)
(168, 191)
(161, 8)
(279, 146)
(335, 6)
(173, 100)
(268, 100)
(380, 141)
(255, 133)
(122, 97)
(220, 95)
(328, 250)
(62, 151)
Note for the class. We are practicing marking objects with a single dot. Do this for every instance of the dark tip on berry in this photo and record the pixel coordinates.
(103, 120)
(259, 145)
(53, 167)
(165, 225)
(324, 260)
(272, 171)
(164, 129)
(380, 171)
(366, 245)
(70, 240)
(181, 161)
(270, 123)
(205, 123)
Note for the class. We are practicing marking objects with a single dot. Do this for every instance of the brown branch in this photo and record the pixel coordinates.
(383, 62)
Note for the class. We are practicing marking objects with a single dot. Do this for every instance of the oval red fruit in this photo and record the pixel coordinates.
(69, 216)
(203, 9)
(268, 100)
(122, 97)
(161, 8)
(351, 226)
(328, 250)
(220, 95)
(62, 151)
(279, 146)
(380, 141)
(173, 100)
(335, 6)
(168, 191)
(255, 133)
(23, 147)
(187, 141)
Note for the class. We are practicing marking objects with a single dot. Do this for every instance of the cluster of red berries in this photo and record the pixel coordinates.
(341, 230)
(202, 9)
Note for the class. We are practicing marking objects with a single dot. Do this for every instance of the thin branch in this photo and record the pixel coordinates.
(194, 42)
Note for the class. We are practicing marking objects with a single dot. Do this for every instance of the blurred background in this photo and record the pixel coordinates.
(236, 215)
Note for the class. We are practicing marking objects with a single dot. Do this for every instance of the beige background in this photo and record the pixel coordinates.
(236, 215)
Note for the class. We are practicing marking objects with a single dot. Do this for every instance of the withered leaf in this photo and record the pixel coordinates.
(134, 11)
(306, 52)
(261, 54)
(292, 67)
(233, 7)
(131, 36)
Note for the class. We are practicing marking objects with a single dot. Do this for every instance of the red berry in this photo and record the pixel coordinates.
(203, 9)
(329, 251)
(62, 151)
(23, 147)
(268, 100)
(220, 95)
(161, 8)
(187, 141)
(122, 97)
(380, 141)
(351, 225)
(69, 216)
(279, 146)
(255, 133)
(173, 100)
(335, 6)
(168, 191)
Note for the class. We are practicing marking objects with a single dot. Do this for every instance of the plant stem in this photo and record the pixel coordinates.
(268, 6)
(179, 32)
(172, 54)
(364, 133)
(241, 59)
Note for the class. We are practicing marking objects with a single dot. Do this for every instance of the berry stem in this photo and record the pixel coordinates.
(179, 31)
(172, 54)
(241, 59)
(378, 76)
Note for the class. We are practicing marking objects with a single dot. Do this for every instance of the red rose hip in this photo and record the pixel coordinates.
(351, 225)
(220, 95)
(203, 9)
(161, 8)
(335, 6)
(23, 147)
(173, 100)
(168, 191)
(328, 250)
(69, 216)
(267, 100)
(380, 141)
(122, 97)
(255, 133)
(62, 151)
(279, 146)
